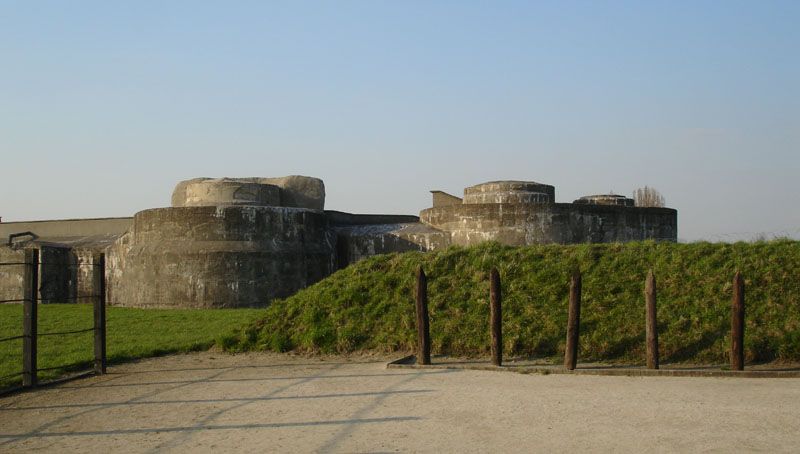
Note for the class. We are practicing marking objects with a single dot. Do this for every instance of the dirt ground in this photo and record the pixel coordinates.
(278, 403)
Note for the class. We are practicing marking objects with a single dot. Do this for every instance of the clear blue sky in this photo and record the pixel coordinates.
(104, 106)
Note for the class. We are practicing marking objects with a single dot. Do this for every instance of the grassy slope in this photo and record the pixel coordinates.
(132, 333)
(369, 305)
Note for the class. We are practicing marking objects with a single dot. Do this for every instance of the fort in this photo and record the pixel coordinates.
(242, 242)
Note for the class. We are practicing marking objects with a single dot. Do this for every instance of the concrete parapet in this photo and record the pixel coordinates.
(293, 191)
(231, 192)
(299, 191)
(606, 199)
(509, 192)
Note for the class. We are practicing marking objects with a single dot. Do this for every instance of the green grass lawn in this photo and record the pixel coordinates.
(369, 305)
(131, 333)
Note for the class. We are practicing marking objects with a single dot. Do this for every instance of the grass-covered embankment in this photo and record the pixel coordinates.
(369, 305)
(131, 333)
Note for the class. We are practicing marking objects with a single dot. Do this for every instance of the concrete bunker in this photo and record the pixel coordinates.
(242, 242)
(525, 212)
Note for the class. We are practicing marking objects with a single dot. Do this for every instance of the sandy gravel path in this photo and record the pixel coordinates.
(276, 403)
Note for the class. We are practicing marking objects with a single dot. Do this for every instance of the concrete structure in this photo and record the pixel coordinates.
(245, 241)
(523, 212)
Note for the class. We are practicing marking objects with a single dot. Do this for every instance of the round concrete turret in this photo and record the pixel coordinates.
(510, 192)
(294, 191)
(221, 191)
(219, 256)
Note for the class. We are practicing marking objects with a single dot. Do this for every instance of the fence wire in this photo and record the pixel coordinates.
(6, 339)
(68, 298)
(10, 375)
(71, 269)
(60, 333)
(41, 263)
(67, 265)
(65, 366)
(13, 301)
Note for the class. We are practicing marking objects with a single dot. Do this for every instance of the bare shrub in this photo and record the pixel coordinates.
(648, 197)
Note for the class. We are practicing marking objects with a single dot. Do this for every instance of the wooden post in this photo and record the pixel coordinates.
(423, 328)
(573, 323)
(737, 323)
(29, 321)
(495, 298)
(651, 325)
(100, 319)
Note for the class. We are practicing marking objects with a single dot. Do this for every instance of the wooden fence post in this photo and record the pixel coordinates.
(423, 323)
(100, 319)
(652, 327)
(737, 323)
(573, 322)
(29, 322)
(495, 298)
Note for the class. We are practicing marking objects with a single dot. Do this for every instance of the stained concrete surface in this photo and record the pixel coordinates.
(212, 402)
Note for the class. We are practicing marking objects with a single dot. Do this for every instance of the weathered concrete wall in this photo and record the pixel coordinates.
(521, 224)
(509, 192)
(11, 276)
(231, 192)
(87, 273)
(57, 273)
(295, 191)
(67, 228)
(363, 235)
(299, 191)
(339, 218)
(356, 242)
(232, 256)
(441, 199)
